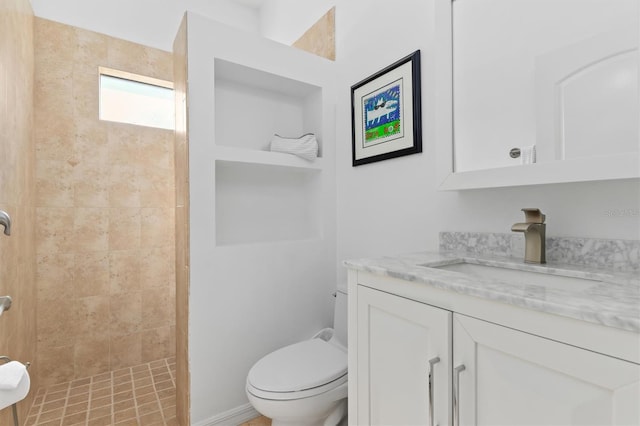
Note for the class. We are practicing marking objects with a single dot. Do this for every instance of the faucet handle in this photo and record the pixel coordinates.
(533, 215)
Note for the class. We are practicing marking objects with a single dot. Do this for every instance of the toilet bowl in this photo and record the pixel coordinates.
(304, 384)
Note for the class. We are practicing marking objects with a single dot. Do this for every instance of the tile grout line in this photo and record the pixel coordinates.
(71, 391)
(166, 365)
(44, 393)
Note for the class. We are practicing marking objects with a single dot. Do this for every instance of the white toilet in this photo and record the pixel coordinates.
(305, 384)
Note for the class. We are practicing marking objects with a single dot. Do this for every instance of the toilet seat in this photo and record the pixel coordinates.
(297, 371)
(290, 396)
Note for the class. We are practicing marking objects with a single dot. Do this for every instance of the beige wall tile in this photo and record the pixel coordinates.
(94, 317)
(85, 95)
(54, 229)
(172, 336)
(90, 184)
(156, 342)
(157, 267)
(54, 272)
(161, 63)
(91, 145)
(157, 307)
(91, 226)
(124, 144)
(57, 321)
(53, 96)
(91, 274)
(90, 51)
(126, 350)
(157, 227)
(54, 183)
(156, 147)
(54, 40)
(124, 229)
(126, 314)
(56, 134)
(156, 187)
(123, 186)
(91, 357)
(124, 272)
(320, 38)
(56, 364)
(126, 56)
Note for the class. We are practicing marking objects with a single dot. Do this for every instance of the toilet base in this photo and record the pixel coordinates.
(334, 418)
(326, 409)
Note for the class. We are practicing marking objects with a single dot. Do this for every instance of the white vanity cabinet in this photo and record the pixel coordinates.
(400, 342)
(510, 376)
(515, 378)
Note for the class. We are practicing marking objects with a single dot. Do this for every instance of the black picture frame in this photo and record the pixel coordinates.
(386, 113)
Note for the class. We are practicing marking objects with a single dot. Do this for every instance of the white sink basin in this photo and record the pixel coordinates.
(517, 276)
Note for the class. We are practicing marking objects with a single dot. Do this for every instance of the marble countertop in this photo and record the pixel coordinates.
(610, 298)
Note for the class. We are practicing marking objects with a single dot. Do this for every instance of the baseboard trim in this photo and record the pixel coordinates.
(235, 416)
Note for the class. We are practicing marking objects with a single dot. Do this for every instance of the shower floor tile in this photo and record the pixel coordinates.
(137, 396)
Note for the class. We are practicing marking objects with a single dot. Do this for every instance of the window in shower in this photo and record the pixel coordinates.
(135, 99)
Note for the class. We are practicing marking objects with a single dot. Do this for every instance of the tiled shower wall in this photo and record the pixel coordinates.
(17, 190)
(105, 212)
(320, 39)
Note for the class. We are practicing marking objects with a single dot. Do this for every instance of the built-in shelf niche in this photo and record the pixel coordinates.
(252, 105)
(258, 203)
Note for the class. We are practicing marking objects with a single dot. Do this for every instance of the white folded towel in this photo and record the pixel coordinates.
(306, 146)
(11, 374)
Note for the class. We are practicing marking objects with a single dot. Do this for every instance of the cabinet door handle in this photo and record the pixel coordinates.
(432, 362)
(456, 394)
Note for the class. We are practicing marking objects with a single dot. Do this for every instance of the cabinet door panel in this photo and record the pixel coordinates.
(396, 339)
(514, 378)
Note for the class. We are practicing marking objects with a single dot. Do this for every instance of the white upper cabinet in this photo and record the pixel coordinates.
(557, 76)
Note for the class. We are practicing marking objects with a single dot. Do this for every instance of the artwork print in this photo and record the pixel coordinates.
(386, 113)
(382, 115)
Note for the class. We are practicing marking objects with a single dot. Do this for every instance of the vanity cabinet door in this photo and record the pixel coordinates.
(396, 339)
(514, 378)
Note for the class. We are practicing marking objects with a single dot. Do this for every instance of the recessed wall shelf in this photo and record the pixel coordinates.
(252, 105)
(258, 203)
(241, 155)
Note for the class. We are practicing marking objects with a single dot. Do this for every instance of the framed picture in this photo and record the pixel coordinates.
(386, 113)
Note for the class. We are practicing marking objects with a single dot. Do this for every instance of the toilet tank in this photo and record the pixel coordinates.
(340, 316)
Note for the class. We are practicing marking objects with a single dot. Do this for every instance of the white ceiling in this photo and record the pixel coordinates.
(255, 4)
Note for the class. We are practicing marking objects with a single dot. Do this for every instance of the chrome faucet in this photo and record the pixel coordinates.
(534, 230)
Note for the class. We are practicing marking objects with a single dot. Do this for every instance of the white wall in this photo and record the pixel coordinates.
(149, 22)
(394, 206)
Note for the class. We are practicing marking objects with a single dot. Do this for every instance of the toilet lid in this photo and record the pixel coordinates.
(298, 367)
